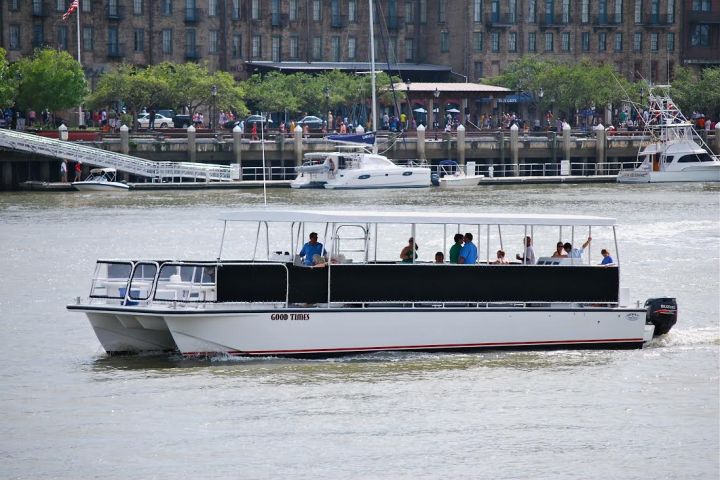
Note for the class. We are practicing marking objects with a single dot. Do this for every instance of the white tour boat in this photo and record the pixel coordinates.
(673, 155)
(101, 180)
(364, 300)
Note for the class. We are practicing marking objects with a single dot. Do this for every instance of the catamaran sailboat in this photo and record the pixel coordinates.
(673, 154)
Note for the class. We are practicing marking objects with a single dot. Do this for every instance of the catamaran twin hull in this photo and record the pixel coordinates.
(263, 317)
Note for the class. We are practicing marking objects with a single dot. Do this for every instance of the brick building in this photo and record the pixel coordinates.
(474, 38)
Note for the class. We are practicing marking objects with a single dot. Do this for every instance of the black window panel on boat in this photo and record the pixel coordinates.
(419, 283)
(702, 157)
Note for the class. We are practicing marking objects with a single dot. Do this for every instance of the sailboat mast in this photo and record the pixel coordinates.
(372, 70)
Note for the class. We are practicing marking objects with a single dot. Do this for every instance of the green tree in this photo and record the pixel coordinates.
(51, 80)
(697, 92)
(8, 82)
(134, 87)
(191, 85)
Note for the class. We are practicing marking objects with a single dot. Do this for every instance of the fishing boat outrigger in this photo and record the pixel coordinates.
(363, 299)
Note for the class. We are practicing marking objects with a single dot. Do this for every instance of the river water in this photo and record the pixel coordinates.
(68, 411)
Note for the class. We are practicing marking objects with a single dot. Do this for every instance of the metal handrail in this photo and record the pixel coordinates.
(102, 158)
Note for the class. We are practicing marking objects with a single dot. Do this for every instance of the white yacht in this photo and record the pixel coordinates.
(451, 175)
(101, 180)
(363, 299)
(673, 155)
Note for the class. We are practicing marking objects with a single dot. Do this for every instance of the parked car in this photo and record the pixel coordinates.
(161, 121)
(182, 121)
(249, 122)
(315, 124)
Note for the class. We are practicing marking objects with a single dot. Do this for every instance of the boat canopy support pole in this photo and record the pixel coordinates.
(222, 241)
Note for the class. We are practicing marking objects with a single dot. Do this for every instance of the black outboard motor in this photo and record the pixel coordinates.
(661, 312)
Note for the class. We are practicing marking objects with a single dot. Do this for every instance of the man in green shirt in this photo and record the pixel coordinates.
(455, 249)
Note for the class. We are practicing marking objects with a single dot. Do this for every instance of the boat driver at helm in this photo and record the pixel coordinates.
(311, 248)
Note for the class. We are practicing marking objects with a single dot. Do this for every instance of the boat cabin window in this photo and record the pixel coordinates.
(186, 282)
(700, 157)
(111, 279)
(142, 280)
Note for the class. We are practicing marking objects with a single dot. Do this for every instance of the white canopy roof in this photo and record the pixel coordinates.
(408, 217)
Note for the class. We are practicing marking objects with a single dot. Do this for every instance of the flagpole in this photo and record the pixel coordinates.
(81, 118)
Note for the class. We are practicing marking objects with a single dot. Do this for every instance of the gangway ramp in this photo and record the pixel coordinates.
(157, 171)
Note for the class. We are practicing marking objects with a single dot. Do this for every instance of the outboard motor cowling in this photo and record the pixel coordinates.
(661, 312)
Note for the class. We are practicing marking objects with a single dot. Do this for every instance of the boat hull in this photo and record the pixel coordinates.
(414, 177)
(460, 181)
(120, 332)
(101, 186)
(710, 174)
(330, 332)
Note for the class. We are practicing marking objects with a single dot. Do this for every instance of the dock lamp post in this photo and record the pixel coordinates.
(213, 119)
(327, 108)
(410, 111)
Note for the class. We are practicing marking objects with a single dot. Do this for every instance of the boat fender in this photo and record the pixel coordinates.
(661, 312)
(435, 179)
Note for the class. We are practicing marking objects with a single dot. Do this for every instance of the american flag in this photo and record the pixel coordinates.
(73, 6)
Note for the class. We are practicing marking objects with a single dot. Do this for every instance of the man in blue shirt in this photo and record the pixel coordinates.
(313, 247)
(468, 252)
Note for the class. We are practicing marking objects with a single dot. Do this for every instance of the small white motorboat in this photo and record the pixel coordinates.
(673, 155)
(451, 175)
(101, 180)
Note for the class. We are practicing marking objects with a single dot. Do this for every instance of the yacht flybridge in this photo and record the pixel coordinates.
(673, 155)
(361, 298)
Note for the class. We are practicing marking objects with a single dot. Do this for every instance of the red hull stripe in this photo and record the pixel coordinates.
(417, 347)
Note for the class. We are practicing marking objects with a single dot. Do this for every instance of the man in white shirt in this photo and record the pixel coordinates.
(528, 256)
(576, 252)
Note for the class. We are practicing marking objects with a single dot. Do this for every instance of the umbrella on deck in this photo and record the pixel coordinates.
(419, 110)
(453, 110)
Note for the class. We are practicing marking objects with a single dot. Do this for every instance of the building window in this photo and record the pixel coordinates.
(700, 36)
(60, 5)
(316, 10)
(585, 11)
(409, 50)
(14, 5)
(62, 37)
(548, 42)
(618, 42)
(255, 10)
(317, 48)
(38, 35)
(478, 41)
(409, 11)
(444, 44)
(237, 46)
(585, 41)
(352, 48)
(670, 11)
(139, 40)
(701, 5)
(214, 41)
(87, 39)
(236, 10)
(167, 7)
(212, 8)
(256, 46)
(477, 11)
(137, 7)
(565, 40)
(495, 42)
(293, 10)
(494, 11)
(423, 11)
(478, 70)
(352, 11)
(670, 42)
(655, 11)
(637, 42)
(441, 11)
(512, 10)
(335, 48)
(638, 11)
(532, 11)
(275, 50)
(14, 37)
(602, 42)
(191, 44)
(565, 11)
(294, 46)
(532, 42)
(113, 46)
(618, 11)
(512, 42)
(654, 42)
(86, 7)
(167, 41)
